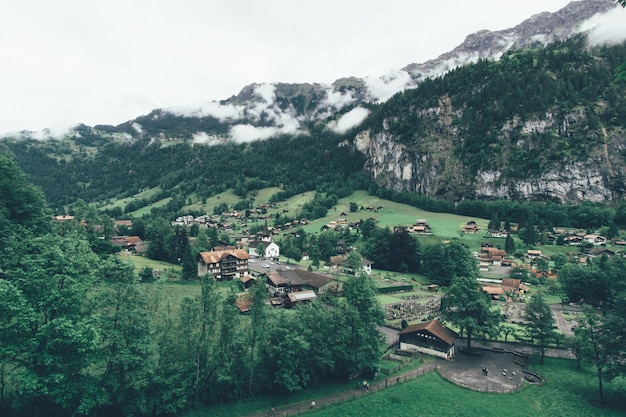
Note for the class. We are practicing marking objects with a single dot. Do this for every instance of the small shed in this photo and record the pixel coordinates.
(431, 338)
(299, 297)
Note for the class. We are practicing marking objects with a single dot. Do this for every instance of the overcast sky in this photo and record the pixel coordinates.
(106, 62)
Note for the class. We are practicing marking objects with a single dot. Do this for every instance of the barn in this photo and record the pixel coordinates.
(431, 338)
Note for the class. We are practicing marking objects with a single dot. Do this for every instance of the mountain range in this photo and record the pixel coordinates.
(445, 128)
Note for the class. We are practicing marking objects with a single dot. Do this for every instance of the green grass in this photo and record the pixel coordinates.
(145, 210)
(121, 203)
(227, 197)
(445, 226)
(566, 392)
(141, 262)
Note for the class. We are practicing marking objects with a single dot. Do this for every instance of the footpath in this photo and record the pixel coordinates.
(305, 407)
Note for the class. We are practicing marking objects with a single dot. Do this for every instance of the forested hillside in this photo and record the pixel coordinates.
(544, 124)
(114, 169)
(538, 124)
(80, 335)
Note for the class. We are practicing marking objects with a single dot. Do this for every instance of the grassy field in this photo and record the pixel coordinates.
(445, 226)
(121, 203)
(566, 391)
(141, 262)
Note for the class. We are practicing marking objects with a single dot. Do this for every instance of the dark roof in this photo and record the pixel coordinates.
(433, 327)
(511, 282)
(298, 277)
(341, 259)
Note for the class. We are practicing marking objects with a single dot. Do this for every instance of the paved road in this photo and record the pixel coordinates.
(564, 326)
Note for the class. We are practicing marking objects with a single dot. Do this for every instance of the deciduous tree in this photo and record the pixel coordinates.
(539, 322)
(464, 305)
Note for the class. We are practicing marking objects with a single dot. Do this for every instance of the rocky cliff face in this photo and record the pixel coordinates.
(437, 172)
(430, 166)
(395, 167)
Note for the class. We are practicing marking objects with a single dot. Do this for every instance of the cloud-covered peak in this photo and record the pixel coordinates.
(351, 119)
(382, 88)
(221, 112)
(607, 28)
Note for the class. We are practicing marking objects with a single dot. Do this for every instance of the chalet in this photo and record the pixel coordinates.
(282, 282)
(492, 256)
(270, 249)
(595, 239)
(244, 303)
(573, 240)
(511, 285)
(420, 227)
(129, 243)
(494, 291)
(596, 252)
(471, 227)
(338, 265)
(533, 253)
(63, 218)
(223, 264)
(431, 338)
(247, 281)
(126, 223)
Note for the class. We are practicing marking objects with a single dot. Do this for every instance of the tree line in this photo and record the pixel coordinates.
(81, 335)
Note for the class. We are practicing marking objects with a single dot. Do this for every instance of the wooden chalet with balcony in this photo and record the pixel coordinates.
(223, 264)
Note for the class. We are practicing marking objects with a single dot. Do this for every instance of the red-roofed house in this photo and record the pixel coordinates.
(431, 338)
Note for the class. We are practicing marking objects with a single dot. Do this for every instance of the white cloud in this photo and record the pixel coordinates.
(203, 138)
(137, 128)
(285, 124)
(607, 29)
(267, 92)
(222, 112)
(249, 133)
(44, 134)
(337, 100)
(382, 88)
(71, 61)
(349, 120)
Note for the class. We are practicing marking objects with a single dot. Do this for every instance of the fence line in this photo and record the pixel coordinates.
(354, 394)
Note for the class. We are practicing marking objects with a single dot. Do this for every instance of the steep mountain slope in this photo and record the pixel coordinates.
(541, 123)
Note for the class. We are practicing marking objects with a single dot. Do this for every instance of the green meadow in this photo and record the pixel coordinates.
(566, 392)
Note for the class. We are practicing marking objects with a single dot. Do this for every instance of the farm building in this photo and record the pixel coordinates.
(431, 338)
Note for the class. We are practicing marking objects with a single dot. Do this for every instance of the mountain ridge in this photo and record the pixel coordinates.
(443, 144)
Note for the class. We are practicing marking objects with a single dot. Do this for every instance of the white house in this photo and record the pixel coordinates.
(271, 251)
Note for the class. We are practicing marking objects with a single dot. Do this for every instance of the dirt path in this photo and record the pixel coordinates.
(304, 407)
(467, 371)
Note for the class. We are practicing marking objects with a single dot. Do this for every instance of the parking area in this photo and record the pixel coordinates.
(485, 370)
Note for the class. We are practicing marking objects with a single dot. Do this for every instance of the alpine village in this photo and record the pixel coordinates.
(460, 249)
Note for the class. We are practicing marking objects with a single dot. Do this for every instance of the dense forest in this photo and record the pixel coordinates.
(80, 335)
